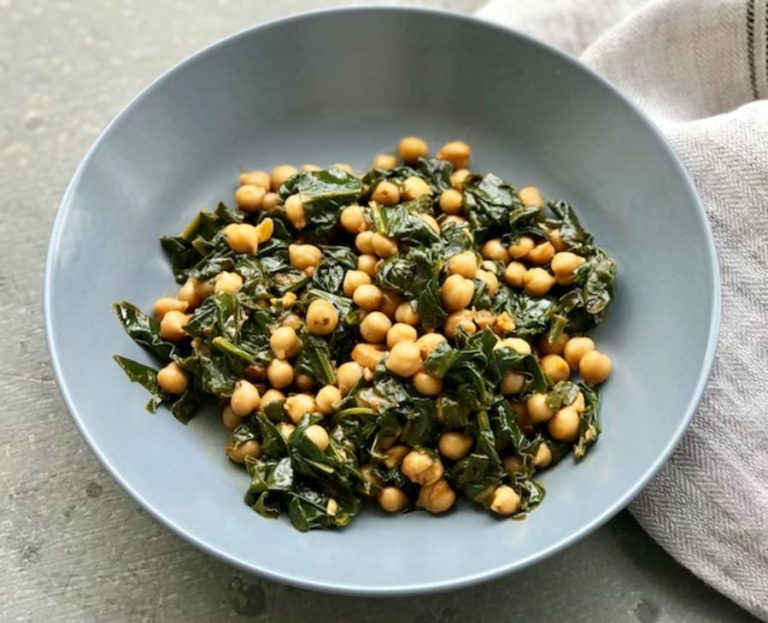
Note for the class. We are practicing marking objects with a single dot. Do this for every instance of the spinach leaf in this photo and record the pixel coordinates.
(436, 172)
(488, 203)
(579, 240)
(145, 376)
(329, 275)
(315, 359)
(597, 278)
(524, 220)
(505, 359)
(589, 421)
(562, 394)
(482, 468)
(455, 239)
(531, 315)
(400, 222)
(144, 329)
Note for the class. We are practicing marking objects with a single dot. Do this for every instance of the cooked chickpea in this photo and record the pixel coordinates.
(557, 240)
(553, 348)
(347, 168)
(531, 197)
(427, 384)
(367, 263)
(299, 405)
(281, 174)
(504, 324)
(284, 342)
(367, 356)
(564, 264)
(245, 398)
(172, 326)
(457, 292)
(485, 319)
(457, 153)
(412, 148)
(463, 318)
(369, 477)
(374, 327)
(455, 446)
(576, 348)
(429, 342)
(292, 320)
(230, 419)
(579, 403)
(521, 247)
(451, 201)
(494, 250)
(514, 274)
(194, 292)
(353, 279)
(166, 304)
(538, 409)
(543, 457)
(406, 314)
(556, 368)
(332, 507)
(322, 317)
(421, 467)
(302, 256)
(384, 161)
(270, 396)
(517, 344)
(464, 264)
(401, 332)
(348, 375)
(459, 177)
(505, 501)
(453, 220)
(264, 230)
(538, 282)
(394, 456)
(386, 193)
(227, 282)
(242, 238)
(271, 201)
(595, 367)
(383, 246)
(491, 281)
(404, 359)
(437, 497)
(304, 382)
(367, 296)
(172, 379)
(512, 383)
(390, 301)
(294, 210)
(415, 187)
(541, 253)
(248, 449)
(250, 198)
(318, 436)
(255, 178)
(429, 220)
(564, 425)
(286, 430)
(364, 242)
(326, 398)
(392, 499)
(280, 373)
(352, 219)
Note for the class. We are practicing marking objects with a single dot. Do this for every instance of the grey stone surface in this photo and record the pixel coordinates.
(73, 545)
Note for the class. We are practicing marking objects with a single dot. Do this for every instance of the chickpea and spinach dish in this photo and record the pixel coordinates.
(408, 335)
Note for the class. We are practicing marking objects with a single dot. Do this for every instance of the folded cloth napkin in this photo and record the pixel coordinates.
(699, 69)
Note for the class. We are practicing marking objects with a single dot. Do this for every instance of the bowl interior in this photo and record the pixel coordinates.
(343, 86)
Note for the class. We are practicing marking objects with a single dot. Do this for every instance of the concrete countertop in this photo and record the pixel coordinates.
(76, 547)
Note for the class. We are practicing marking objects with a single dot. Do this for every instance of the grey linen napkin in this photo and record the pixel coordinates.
(699, 69)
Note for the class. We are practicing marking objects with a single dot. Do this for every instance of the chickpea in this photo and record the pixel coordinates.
(514, 274)
(270, 396)
(322, 317)
(318, 436)
(302, 256)
(543, 457)
(517, 344)
(531, 197)
(406, 314)
(326, 398)
(504, 324)
(485, 319)
(264, 230)
(451, 201)
(281, 174)
(280, 373)
(554, 348)
(332, 507)
(367, 297)
(505, 501)
(538, 409)
(390, 301)
(556, 368)
(304, 382)
(429, 342)
(245, 399)
(392, 499)
(230, 419)
(172, 379)
(242, 238)
(166, 304)
(364, 242)
(369, 477)
(251, 448)
(457, 292)
(367, 264)
(415, 187)
(412, 148)
(348, 375)
(457, 153)
(194, 292)
(437, 497)
(292, 320)
(464, 264)
(557, 240)
(541, 253)
(384, 161)
(463, 318)
(386, 193)
(455, 446)
(299, 405)
(459, 177)
(538, 282)
(421, 467)
(250, 198)
(172, 326)
(286, 430)
(271, 201)
(352, 219)
(227, 282)
(595, 367)
(294, 210)
(452, 219)
(579, 403)
(427, 384)
(512, 383)
(491, 281)
(354, 279)
(494, 250)
(521, 247)
(564, 264)
(284, 343)
(400, 332)
(383, 246)
(564, 425)
(521, 414)
(576, 348)
(255, 178)
(374, 327)
(404, 359)
(429, 220)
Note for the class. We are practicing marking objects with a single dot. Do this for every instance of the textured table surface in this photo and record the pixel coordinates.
(73, 545)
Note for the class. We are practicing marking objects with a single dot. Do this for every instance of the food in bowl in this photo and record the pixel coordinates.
(408, 335)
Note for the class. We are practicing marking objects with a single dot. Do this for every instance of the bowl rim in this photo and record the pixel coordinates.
(428, 586)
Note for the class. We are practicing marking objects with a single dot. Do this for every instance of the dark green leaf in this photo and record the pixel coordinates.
(144, 329)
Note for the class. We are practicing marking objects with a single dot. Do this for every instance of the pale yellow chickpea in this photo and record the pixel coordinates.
(286, 430)
(352, 219)
(270, 396)
(576, 348)
(364, 242)
(265, 229)
(401, 332)
(429, 342)
(421, 467)
(504, 324)
(367, 264)
(514, 274)
(461, 319)
(304, 382)
(391, 499)
(166, 304)
(517, 344)
(386, 193)
(172, 379)
(595, 367)
(406, 314)
(491, 281)
(374, 327)
(456, 292)
(255, 178)
(390, 301)
(230, 419)
(556, 368)
(538, 409)
(579, 403)
(564, 264)
(271, 201)
(302, 256)
(281, 174)
(249, 449)
(412, 148)
(291, 320)
(368, 356)
(531, 197)
(543, 456)
(429, 220)
(454, 445)
(505, 501)
(318, 436)
(437, 497)
(394, 456)
(310, 167)
(294, 210)
(245, 398)
(250, 198)
(322, 317)
(485, 319)
(384, 161)
(553, 348)
(383, 246)
(451, 201)
(280, 373)
(557, 240)
(404, 359)
(299, 405)
(347, 376)
(541, 253)
(242, 238)
(538, 282)
(520, 247)
(427, 384)
(415, 187)
(194, 292)
(367, 297)
(494, 250)
(332, 507)
(326, 398)
(464, 264)
(564, 425)
(284, 342)
(227, 282)
(457, 153)
(512, 383)
(353, 279)
(459, 177)
(172, 326)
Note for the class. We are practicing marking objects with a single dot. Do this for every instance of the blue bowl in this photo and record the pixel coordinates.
(343, 85)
